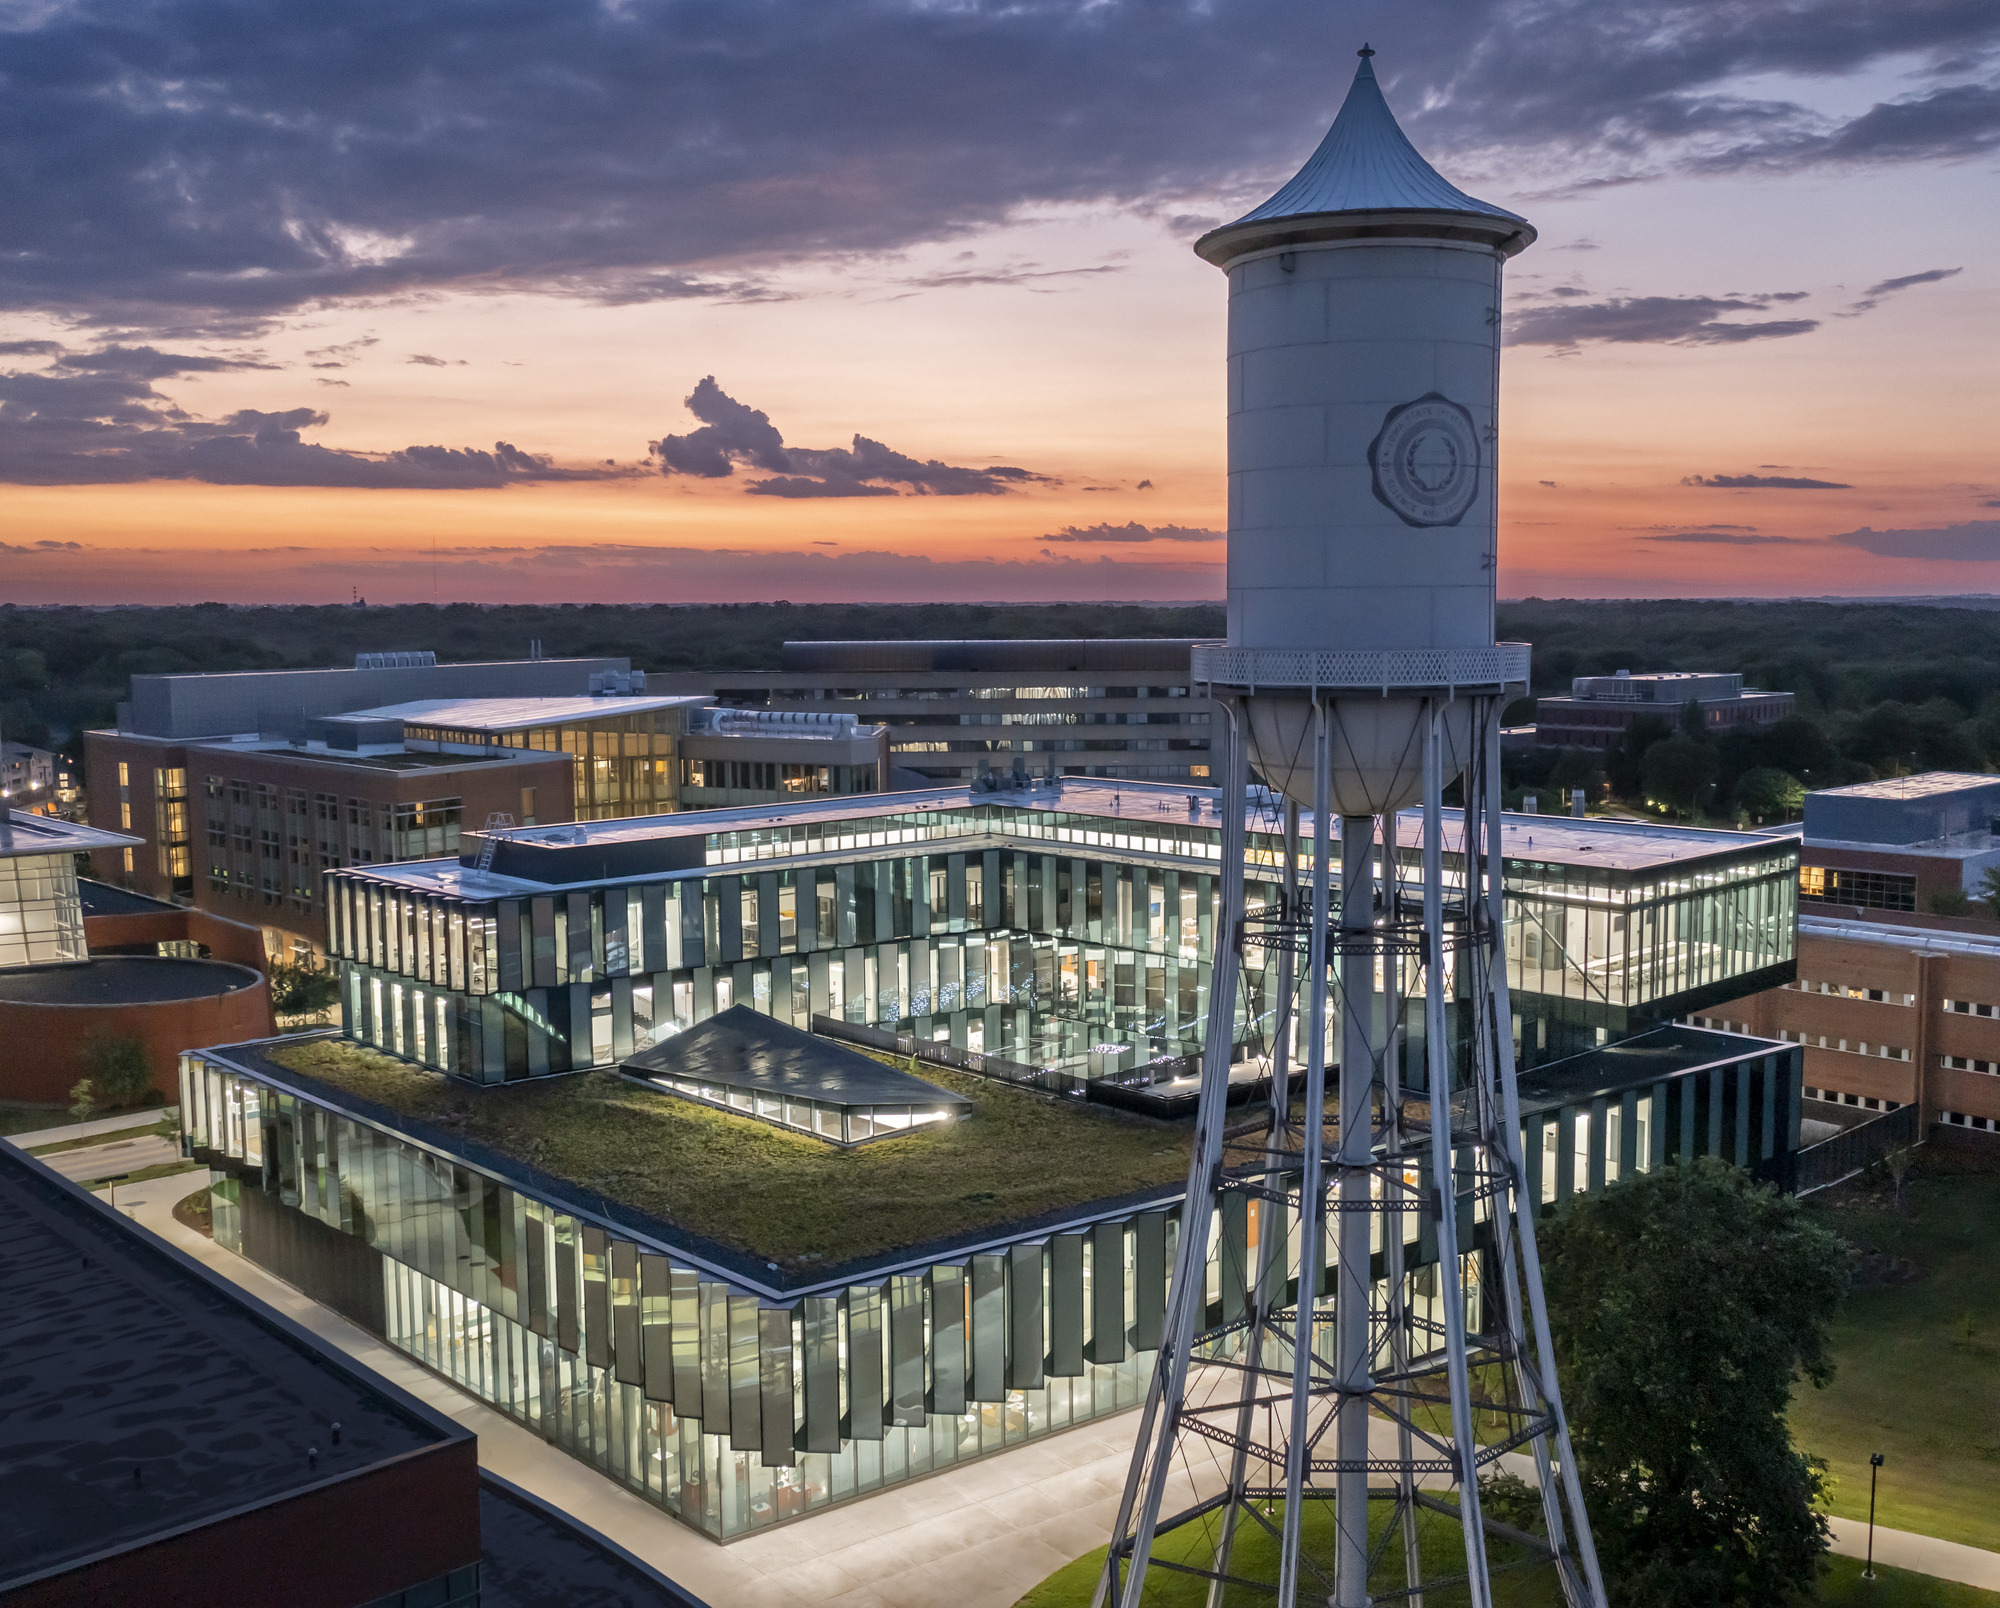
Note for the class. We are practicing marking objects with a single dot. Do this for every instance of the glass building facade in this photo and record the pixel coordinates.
(736, 1404)
(1063, 936)
(41, 915)
(624, 763)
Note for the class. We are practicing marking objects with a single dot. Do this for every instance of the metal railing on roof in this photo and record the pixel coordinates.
(1835, 1160)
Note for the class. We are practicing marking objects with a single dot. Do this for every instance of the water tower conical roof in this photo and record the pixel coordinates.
(1365, 165)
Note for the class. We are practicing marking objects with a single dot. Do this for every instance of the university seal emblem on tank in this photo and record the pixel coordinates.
(1426, 461)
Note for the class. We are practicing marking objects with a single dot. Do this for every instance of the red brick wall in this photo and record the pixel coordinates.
(1925, 1028)
(348, 1541)
(226, 940)
(43, 1048)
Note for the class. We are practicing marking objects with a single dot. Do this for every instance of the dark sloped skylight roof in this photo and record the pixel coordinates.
(745, 1049)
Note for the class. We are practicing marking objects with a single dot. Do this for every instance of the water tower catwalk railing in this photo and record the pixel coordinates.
(1350, 1456)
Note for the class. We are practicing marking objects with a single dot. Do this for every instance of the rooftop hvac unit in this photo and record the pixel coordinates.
(617, 683)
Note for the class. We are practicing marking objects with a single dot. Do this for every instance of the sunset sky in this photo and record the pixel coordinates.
(277, 283)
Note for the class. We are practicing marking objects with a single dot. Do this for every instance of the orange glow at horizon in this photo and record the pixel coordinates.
(1103, 383)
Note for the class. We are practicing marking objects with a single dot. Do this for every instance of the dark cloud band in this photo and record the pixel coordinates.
(1977, 541)
(734, 433)
(95, 419)
(171, 162)
(1765, 483)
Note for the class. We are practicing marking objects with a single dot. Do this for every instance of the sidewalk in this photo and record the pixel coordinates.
(1920, 1554)
(978, 1536)
(147, 1118)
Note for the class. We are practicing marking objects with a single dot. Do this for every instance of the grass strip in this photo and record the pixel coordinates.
(1917, 1349)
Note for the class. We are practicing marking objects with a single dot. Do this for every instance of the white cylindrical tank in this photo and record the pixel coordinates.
(1364, 351)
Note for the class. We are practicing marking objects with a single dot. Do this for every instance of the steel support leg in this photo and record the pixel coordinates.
(1312, 1177)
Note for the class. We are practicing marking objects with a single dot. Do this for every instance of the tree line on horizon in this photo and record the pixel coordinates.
(1882, 689)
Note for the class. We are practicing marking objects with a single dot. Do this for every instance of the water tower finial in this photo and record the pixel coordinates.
(1365, 51)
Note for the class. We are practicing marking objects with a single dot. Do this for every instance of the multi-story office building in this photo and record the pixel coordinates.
(1599, 708)
(1891, 1013)
(636, 755)
(1067, 927)
(246, 829)
(1892, 1005)
(28, 779)
(598, 1258)
(621, 747)
(1899, 844)
(244, 824)
(1117, 708)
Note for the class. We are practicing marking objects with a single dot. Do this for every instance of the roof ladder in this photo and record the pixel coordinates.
(497, 822)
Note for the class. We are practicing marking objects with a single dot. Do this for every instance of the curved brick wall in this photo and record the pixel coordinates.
(42, 1045)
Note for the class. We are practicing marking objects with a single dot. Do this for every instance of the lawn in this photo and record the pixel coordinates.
(165, 1169)
(780, 1196)
(1841, 1585)
(92, 1141)
(1440, 1545)
(17, 1118)
(1918, 1350)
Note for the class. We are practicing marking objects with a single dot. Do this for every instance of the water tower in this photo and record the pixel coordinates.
(1324, 1398)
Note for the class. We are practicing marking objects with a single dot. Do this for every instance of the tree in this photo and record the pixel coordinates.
(120, 1070)
(302, 990)
(1797, 745)
(82, 1100)
(1769, 794)
(1949, 902)
(1623, 759)
(1898, 1162)
(1677, 772)
(1989, 887)
(1686, 1303)
(1577, 767)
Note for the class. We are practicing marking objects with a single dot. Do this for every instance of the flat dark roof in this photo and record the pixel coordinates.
(102, 899)
(405, 759)
(537, 1556)
(123, 980)
(1066, 654)
(1645, 1059)
(746, 1049)
(119, 1354)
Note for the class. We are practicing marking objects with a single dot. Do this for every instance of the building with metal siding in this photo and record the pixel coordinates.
(1121, 707)
(735, 1396)
(1070, 928)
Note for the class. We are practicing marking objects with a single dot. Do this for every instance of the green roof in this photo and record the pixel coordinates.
(1019, 1157)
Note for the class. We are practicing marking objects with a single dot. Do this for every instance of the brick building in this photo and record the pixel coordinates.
(1898, 845)
(1894, 1006)
(244, 829)
(1599, 708)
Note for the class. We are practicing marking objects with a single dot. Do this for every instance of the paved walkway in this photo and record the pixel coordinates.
(118, 1156)
(84, 1130)
(978, 1536)
(1920, 1554)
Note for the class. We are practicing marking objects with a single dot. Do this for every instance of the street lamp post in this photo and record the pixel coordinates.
(1874, 1473)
